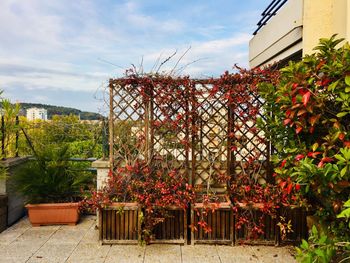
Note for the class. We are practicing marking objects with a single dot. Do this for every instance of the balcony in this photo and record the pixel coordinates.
(279, 33)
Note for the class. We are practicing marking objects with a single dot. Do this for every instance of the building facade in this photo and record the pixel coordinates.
(290, 29)
(36, 114)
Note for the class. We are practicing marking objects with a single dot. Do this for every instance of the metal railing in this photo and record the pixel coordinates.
(269, 12)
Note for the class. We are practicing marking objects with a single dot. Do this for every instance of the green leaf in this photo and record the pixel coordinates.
(319, 252)
(344, 214)
(314, 230)
(347, 80)
(347, 203)
(343, 172)
(332, 86)
(322, 240)
(342, 114)
(304, 244)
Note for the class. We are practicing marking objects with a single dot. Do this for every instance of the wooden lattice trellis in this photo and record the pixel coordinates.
(212, 149)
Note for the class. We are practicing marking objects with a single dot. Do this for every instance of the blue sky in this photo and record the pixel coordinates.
(63, 52)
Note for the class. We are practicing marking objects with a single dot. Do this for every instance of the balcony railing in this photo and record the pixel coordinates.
(269, 12)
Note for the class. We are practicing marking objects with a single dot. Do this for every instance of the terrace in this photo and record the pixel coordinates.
(24, 243)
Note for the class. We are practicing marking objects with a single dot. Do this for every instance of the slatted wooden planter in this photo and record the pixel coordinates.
(173, 230)
(297, 216)
(221, 222)
(270, 236)
(120, 224)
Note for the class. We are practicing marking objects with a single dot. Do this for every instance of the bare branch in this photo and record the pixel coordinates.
(110, 63)
(166, 60)
(177, 72)
(180, 58)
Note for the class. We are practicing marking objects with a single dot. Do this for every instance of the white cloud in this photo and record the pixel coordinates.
(57, 45)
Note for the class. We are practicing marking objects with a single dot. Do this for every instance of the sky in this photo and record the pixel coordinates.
(63, 52)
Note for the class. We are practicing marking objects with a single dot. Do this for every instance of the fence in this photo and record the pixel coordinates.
(86, 138)
(205, 131)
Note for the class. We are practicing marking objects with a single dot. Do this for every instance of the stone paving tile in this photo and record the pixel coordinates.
(91, 236)
(273, 254)
(37, 234)
(67, 235)
(200, 254)
(22, 249)
(21, 224)
(236, 254)
(52, 253)
(89, 252)
(85, 223)
(162, 253)
(9, 259)
(9, 236)
(76, 244)
(125, 254)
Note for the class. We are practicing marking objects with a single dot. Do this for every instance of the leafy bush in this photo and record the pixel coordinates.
(50, 178)
(310, 128)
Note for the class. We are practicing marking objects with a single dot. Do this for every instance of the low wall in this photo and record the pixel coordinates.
(3, 212)
(15, 202)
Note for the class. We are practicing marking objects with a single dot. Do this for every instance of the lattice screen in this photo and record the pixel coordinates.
(225, 138)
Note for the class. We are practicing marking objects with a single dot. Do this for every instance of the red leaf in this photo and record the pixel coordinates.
(299, 157)
(313, 119)
(286, 121)
(347, 144)
(326, 159)
(283, 163)
(298, 129)
(301, 112)
(306, 98)
(297, 187)
(289, 188)
(341, 136)
(320, 164)
(282, 184)
(313, 154)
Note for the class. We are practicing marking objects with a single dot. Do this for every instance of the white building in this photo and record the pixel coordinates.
(36, 114)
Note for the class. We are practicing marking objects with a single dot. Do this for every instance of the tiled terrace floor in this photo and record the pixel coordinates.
(23, 243)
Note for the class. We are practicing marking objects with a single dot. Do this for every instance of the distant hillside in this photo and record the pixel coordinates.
(59, 110)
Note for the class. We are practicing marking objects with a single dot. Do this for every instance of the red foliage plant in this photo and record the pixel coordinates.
(171, 111)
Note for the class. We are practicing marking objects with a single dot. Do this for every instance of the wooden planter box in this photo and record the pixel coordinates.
(173, 230)
(221, 222)
(120, 223)
(53, 214)
(270, 236)
(297, 216)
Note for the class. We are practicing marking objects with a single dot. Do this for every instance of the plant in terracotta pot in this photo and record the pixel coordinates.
(52, 187)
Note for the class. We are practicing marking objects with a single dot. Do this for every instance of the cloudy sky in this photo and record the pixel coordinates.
(63, 52)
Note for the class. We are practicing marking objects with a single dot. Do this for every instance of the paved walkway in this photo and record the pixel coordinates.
(24, 243)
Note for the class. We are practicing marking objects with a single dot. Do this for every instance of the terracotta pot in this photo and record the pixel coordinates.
(53, 214)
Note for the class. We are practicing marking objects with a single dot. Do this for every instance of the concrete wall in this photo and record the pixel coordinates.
(15, 203)
(324, 19)
(3, 212)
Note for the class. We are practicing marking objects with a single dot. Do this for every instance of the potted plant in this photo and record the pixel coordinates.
(164, 194)
(51, 187)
